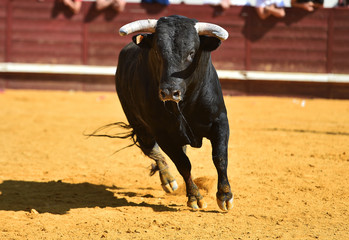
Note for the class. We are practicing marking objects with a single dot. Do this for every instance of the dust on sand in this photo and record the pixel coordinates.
(288, 167)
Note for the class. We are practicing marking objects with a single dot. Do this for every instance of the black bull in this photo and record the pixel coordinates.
(171, 96)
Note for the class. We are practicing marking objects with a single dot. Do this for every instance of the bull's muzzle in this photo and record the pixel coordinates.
(170, 95)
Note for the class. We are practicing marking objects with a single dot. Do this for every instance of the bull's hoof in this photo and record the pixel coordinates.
(170, 187)
(196, 205)
(225, 205)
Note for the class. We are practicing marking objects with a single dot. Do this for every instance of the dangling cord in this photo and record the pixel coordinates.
(180, 112)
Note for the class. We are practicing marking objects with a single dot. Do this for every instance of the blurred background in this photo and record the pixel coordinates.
(47, 44)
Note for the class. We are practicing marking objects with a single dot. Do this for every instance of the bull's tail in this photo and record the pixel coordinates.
(107, 131)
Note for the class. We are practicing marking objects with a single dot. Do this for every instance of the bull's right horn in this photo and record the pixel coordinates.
(138, 26)
(211, 30)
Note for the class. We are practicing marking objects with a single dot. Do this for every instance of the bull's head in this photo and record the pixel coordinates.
(175, 46)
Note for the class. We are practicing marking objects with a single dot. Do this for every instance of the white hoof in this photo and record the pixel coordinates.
(170, 187)
(193, 205)
(225, 205)
(174, 185)
(200, 204)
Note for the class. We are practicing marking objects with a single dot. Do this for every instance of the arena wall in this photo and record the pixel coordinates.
(45, 32)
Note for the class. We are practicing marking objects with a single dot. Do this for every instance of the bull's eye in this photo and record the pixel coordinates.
(191, 56)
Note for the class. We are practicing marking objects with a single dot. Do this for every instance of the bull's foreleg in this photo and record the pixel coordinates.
(168, 182)
(219, 143)
(180, 159)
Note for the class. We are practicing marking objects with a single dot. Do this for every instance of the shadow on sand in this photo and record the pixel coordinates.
(59, 197)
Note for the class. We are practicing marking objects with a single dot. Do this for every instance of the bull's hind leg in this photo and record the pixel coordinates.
(168, 182)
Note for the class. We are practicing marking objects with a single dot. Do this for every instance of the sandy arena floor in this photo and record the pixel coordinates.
(288, 167)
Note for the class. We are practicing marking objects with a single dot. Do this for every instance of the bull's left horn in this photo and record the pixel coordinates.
(138, 26)
(211, 30)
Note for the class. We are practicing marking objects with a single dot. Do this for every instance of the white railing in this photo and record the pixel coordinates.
(222, 74)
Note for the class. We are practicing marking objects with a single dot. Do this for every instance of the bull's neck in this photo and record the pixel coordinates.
(200, 77)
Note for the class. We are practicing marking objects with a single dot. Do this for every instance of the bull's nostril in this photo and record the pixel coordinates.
(170, 95)
(176, 94)
(162, 94)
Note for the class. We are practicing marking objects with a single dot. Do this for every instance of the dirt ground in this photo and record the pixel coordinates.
(288, 168)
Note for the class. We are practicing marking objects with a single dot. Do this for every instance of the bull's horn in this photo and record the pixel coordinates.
(211, 30)
(138, 26)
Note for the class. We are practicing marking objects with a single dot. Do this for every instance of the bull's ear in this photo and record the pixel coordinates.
(143, 40)
(209, 43)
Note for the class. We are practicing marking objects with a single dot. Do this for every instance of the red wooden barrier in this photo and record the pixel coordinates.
(46, 32)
